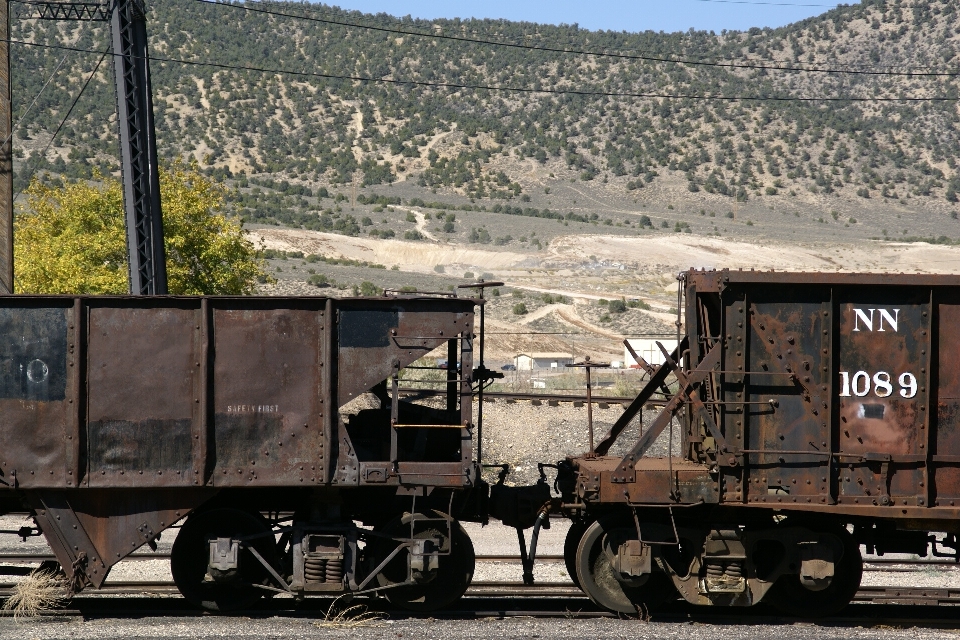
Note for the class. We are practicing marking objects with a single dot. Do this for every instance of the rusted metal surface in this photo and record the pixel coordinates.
(89, 530)
(141, 380)
(268, 395)
(36, 377)
(658, 481)
(121, 415)
(192, 391)
(835, 393)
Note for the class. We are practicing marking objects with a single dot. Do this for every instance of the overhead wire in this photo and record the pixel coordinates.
(510, 89)
(23, 115)
(625, 56)
(64, 119)
(406, 23)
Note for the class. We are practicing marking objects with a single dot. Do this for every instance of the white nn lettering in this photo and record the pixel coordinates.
(892, 320)
(859, 315)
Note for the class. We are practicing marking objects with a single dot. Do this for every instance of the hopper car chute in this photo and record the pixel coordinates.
(124, 415)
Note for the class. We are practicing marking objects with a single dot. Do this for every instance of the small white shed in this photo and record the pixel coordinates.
(647, 349)
(539, 361)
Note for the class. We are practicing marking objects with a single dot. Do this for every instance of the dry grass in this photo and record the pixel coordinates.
(41, 590)
(353, 617)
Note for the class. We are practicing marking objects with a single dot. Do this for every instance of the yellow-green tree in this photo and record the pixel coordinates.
(71, 238)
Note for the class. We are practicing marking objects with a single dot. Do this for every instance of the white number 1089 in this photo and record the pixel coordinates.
(862, 383)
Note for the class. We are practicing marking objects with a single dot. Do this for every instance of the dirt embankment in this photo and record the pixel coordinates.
(679, 252)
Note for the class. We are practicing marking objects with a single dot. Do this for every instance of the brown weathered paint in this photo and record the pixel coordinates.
(803, 428)
(123, 414)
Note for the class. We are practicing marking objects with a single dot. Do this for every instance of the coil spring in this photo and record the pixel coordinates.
(732, 570)
(314, 569)
(714, 570)
(335, 570)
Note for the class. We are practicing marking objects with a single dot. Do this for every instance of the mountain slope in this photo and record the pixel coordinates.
(314, 132)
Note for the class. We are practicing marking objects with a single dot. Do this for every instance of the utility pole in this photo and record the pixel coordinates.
(138, 149)
(6, 155)
(138, 146)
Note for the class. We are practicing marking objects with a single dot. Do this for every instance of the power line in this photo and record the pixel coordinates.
(65, 117)
(30, 106)
(623, 56)
(509, 89)
(313, 10)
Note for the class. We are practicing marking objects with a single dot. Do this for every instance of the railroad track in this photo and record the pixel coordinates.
(551, 399)
(870, 564)
(515, 589)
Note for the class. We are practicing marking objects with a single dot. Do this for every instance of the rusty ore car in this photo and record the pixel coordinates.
(122, 416)
(817, 413)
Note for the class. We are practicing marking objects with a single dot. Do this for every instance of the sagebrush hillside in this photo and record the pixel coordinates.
(301, 133)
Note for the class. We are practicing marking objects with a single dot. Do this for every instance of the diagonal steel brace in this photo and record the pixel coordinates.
(695, 400)
(625, 471)
(657, 381)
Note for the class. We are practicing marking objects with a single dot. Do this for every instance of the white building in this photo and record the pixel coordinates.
(647, 349)
(539, 361)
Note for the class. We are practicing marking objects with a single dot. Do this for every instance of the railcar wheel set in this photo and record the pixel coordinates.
(817, 413)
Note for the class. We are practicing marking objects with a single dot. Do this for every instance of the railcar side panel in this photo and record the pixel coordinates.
(783, 412)
(269, 395)
(842, 388)
(946, 476)
(37, 445)
(141, 384)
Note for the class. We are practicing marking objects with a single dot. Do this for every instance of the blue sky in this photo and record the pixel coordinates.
(618, 15)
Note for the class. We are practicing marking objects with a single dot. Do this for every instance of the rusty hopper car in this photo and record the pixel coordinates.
(124, 416)
(818, 413)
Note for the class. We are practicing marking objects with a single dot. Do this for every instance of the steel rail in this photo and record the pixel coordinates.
(491, 396)
(871, 564)
(509, 589)
(29, 558)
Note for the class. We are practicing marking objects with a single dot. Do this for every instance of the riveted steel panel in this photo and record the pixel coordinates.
(884, 336)
(143, 367)
(90, 531)
(786, 408)
(377, 337)
(269, 397)
(946, 478)
(36, 339)
(851, 425)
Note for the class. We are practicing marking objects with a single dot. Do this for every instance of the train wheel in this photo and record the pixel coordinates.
(599, 580)
(791, 597)
(570, 544)
(440, 586)
(221, 590)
